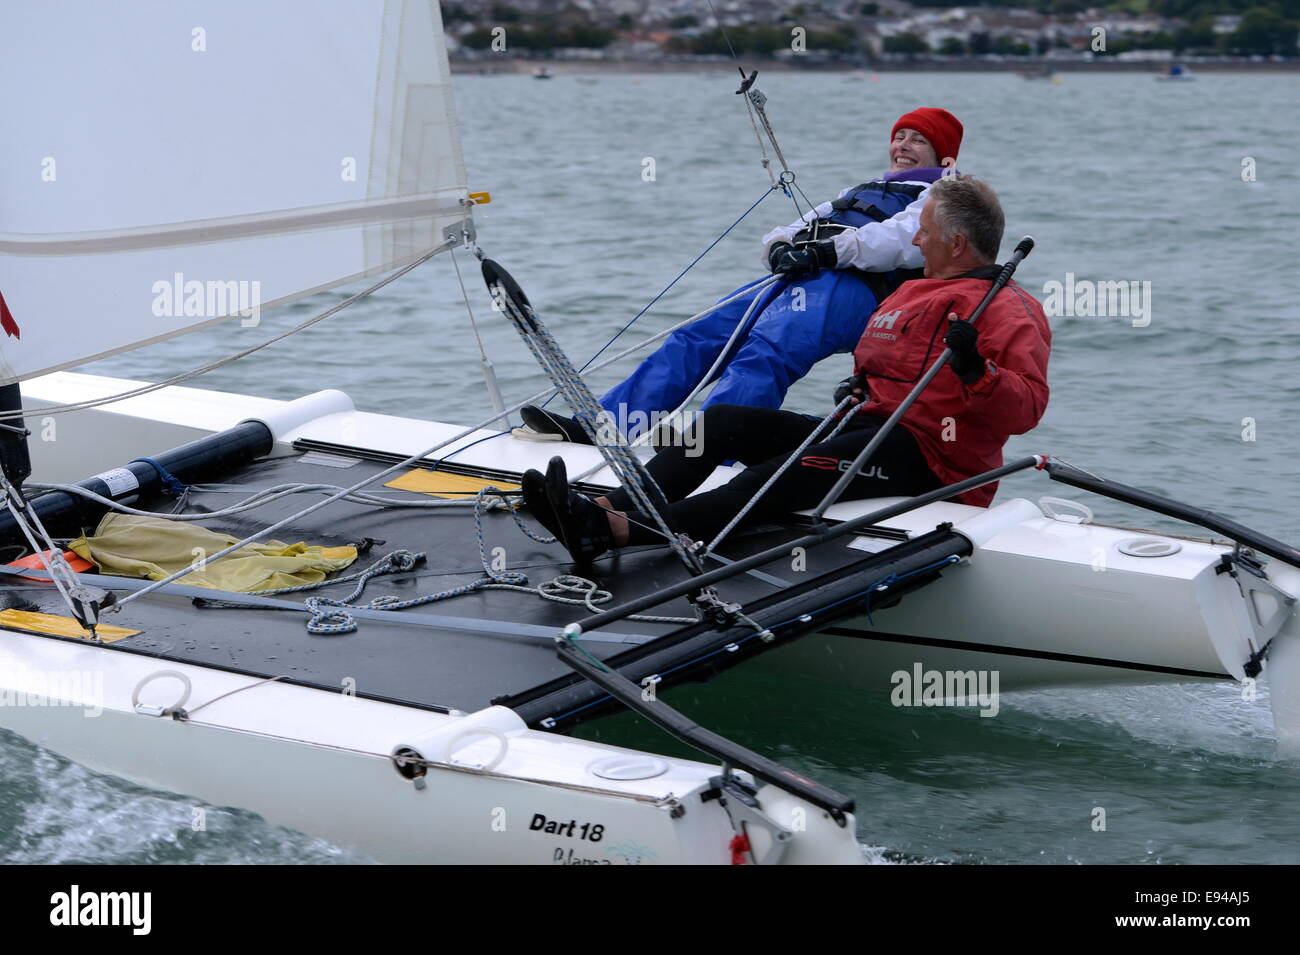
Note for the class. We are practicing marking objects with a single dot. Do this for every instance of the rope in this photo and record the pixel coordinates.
(666, 288)
(238, 689)
(51, 557)
(465, 295)
(330, 616)
(758, 288)
(764, 161)
(485, 363)
(395, 562)
(765, 633)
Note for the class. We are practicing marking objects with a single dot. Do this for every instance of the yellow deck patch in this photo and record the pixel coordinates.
(59, 626)
(442, 484)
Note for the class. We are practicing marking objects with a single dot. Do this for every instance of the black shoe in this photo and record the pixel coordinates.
(533, 485)
(543, 422)
(581, 526)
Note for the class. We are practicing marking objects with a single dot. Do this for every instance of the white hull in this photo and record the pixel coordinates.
(1041, 601)
(320, 763)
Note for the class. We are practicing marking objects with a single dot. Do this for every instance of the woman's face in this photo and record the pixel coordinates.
(910, 150)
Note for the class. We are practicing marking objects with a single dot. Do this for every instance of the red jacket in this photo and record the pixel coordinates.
(960, 429)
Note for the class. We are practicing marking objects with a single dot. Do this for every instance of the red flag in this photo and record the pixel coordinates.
(7, 320)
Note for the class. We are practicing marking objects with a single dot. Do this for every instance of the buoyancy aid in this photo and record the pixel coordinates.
(866, 202)
(873, 201)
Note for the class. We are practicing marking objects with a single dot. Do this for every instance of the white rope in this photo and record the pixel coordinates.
(337, 495)
(465, 295)
(331, 616)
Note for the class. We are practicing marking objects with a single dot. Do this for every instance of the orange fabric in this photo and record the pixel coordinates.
(33, 561)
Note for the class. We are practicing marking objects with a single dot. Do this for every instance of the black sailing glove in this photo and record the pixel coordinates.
(774, 254)
(809, 257)
(856, 386)
(965, 360)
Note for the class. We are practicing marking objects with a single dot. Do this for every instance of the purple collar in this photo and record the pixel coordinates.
(921, 174)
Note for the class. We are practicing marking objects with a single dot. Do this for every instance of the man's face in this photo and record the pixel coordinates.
(910, 150)
(929, 239)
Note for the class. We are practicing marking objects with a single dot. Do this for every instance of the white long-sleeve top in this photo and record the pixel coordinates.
(874, 247)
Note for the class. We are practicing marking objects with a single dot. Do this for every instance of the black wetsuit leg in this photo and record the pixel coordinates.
(762, 439)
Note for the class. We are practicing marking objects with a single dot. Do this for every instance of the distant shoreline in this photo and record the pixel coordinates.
(493, 66)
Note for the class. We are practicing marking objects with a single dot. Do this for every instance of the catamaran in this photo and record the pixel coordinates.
(417, 703)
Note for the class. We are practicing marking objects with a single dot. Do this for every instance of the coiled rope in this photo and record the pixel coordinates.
(330, 616)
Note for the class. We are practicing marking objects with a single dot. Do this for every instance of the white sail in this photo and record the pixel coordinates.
(167, 165)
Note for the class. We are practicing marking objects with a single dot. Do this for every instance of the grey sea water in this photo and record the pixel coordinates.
(1119, 178)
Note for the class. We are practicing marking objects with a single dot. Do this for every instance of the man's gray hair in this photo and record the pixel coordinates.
(970, 206)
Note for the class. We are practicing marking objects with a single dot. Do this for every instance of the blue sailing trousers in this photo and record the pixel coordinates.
(796, 324)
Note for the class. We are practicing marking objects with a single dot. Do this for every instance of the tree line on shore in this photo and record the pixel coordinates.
(1266, 28)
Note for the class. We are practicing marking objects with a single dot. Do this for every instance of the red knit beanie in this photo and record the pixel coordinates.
(937, 125)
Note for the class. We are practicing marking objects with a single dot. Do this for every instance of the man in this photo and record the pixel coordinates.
(836, 263)
(995, 385)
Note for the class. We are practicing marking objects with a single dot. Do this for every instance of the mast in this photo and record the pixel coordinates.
(15, 457)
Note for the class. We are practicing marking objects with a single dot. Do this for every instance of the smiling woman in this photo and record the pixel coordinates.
(924, 137)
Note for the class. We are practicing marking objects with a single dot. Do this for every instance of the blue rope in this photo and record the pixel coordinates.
(170, 483)
(664, 292)
(446, 457)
